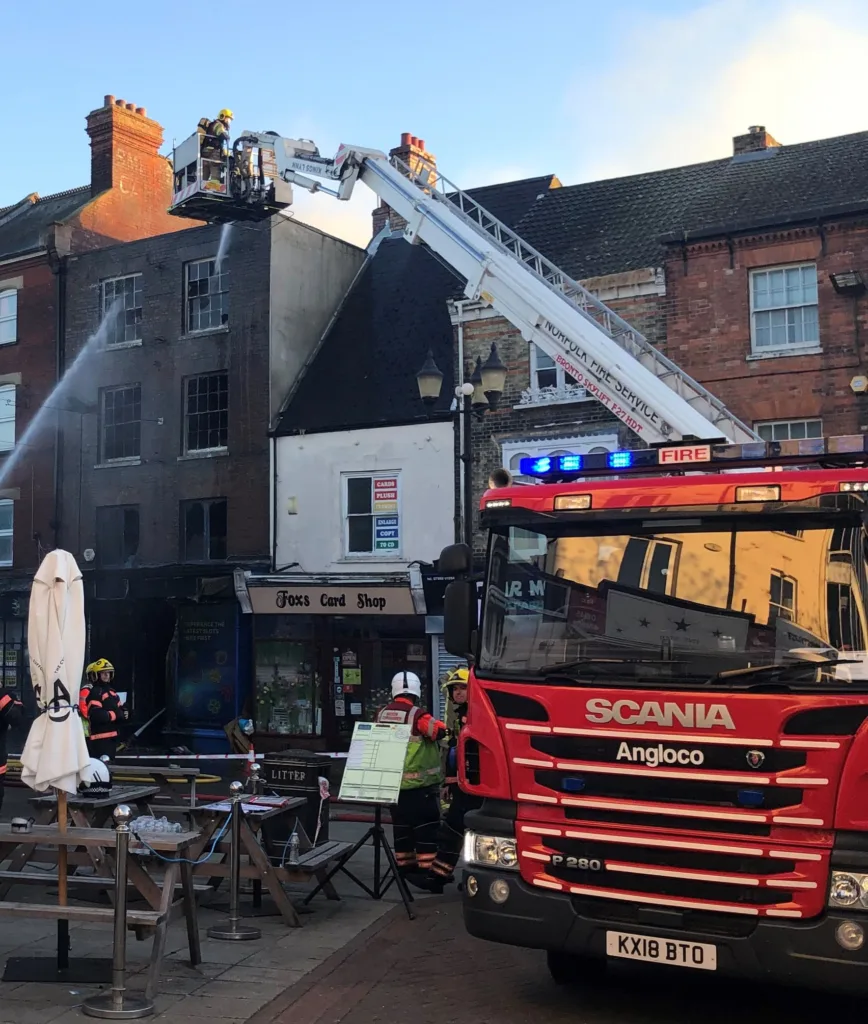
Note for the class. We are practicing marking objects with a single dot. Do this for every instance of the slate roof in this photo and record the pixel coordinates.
(364, 374)
(23, 226)
(605, 227)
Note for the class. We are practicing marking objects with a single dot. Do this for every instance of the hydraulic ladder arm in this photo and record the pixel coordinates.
(605, 355)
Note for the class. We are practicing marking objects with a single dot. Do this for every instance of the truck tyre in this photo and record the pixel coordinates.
(569, 969)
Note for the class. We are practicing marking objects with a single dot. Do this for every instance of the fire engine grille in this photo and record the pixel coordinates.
(662, 790)
(711, 876)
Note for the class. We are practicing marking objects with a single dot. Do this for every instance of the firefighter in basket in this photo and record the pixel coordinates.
(214, 139)
(451, 833)
(101, 709)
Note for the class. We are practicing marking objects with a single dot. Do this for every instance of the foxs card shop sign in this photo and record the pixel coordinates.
(387, 535)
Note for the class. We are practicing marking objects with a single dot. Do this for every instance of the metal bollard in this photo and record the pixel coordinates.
(255, 779)
(234, 931)
(119, 1004)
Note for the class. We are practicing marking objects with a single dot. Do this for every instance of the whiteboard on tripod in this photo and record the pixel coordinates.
(375, 763)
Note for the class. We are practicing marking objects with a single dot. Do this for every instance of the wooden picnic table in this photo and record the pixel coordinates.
(94, 811)
(100, 843)
(314, 862)
(163, 775)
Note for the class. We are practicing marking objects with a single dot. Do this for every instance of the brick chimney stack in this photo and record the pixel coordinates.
(756, 140)
(125, 145)
(413, 153)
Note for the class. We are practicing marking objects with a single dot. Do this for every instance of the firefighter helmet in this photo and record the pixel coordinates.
(95, 667)
(407, 683)
(96, 779)
(225, 115)
(455, 677)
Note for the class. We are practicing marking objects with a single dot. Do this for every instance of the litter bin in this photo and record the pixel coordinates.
(296, 773)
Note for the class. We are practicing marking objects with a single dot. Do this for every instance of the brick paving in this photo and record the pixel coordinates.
(429, 971)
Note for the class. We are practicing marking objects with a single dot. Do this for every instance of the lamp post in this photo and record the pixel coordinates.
(472, 398)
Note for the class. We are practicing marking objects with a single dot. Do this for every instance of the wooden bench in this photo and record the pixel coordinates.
(135, 918)
(318, 857)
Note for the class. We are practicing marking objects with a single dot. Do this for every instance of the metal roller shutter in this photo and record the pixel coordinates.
(442, 662)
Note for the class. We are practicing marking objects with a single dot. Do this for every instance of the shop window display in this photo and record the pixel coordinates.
(286, 689)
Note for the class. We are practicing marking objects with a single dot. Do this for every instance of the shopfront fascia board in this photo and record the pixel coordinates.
(339, 599)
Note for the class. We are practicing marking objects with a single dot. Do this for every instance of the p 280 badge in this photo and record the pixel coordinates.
(558, 860)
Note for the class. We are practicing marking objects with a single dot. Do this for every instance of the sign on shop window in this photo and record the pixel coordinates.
(373, 516)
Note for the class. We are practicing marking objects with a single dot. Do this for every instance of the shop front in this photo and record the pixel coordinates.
(324, 653)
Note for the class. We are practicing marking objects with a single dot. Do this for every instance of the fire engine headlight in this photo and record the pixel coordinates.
(490, 851)
(848, 888)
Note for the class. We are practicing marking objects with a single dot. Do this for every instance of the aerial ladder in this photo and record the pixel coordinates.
(601, 351)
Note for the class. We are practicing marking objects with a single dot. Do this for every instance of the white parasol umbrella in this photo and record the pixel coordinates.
(56, 752)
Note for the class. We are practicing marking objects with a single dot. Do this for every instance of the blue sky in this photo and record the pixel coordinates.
(576, 87)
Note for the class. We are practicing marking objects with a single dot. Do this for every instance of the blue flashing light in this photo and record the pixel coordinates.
(620, 460)
(750, 797)
(572, 785)
(690, 456)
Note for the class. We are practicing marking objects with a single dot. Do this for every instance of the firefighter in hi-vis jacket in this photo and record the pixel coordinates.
(11, 710)
(101, 709)
(451, 834)
(416, 816)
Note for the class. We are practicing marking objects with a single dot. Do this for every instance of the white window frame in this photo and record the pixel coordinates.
(8, 396)
(561, 393)
(10, 533)
(577, 445)
(371, 556)
(222, 289)
(771, 424)
(187, 450)
(778, 350)
(10, 318)
(121, 326)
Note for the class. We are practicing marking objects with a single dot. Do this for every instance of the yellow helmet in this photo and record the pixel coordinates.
(225, 114)
(100, 665)
(458, 676)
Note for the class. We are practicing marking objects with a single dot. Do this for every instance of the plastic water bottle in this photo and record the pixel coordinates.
(293, 848)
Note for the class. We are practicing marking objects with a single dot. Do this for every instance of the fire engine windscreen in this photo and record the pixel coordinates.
(633, 605)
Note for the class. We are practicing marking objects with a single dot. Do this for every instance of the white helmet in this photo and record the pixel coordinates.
(96, 779)
(406, 682)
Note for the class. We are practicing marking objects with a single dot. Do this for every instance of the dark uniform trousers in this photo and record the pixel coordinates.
(450, 836)
(415, 823)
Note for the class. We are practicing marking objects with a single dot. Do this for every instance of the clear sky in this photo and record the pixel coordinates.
(582, 88)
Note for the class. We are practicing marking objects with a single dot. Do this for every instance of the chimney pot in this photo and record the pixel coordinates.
(108, 101)
(757, 140)
(420, 143)
(119, 103)
(141, 110)
(405, 138)
(131, 106)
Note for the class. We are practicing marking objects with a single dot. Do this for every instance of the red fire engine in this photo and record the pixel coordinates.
(668, 710)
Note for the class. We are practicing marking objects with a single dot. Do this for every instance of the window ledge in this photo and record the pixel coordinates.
(4, 344)
(350, 559)
(124, 344)
(114, 463)
(206, 453)
(569, 395)
(784, 353)
(188, 335)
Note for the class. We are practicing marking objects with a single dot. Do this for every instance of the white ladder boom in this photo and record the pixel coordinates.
(614, 362)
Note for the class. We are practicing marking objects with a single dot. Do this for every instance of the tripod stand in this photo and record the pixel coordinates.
(382, 882)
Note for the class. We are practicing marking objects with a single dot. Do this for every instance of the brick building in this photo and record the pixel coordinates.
(126, 198)
(746, 271)
(166, 455)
